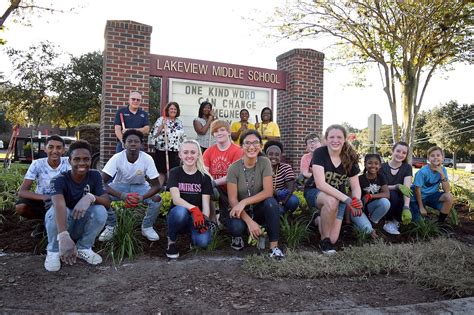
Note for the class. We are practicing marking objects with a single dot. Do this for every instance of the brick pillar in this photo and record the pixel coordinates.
(300, 106)
(126, 68)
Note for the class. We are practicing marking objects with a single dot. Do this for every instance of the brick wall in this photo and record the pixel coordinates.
(300, 106)
(126, 68)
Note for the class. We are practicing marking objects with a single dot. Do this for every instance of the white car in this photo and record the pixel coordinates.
(448, 162)
(1, 144)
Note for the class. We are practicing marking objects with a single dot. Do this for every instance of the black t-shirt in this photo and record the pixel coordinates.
(372, 186)
(404, 171)
(334, 176)
(63, 184)
(191, 187)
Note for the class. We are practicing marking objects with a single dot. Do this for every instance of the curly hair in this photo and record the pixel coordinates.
(79, 144)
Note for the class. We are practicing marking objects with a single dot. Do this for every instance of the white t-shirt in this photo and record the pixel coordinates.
(130, 173)
(42, 172)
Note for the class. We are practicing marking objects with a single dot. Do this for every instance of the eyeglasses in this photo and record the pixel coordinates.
(136, 99)
(255, 143)
(313, 141)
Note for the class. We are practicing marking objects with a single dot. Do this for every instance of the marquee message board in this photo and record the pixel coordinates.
(227, 100)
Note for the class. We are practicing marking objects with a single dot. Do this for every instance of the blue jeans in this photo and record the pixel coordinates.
(180, 221)
(311, 194)
(266, 213)
(377, 209)
(291, 205)
(83, 231)
(153, 207)
(428, 200)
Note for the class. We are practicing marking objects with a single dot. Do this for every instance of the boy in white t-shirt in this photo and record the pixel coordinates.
(33, 205)
(131, 168)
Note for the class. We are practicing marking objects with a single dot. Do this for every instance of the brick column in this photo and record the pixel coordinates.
(126, 68)
(300, 106)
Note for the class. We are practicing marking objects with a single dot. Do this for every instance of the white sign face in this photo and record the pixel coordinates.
(227, 101)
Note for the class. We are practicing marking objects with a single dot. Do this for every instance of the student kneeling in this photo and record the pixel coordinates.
(78, 213)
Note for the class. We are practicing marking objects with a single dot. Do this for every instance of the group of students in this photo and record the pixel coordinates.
(254, 188)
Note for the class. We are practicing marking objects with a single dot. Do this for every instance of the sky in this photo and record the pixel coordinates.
(221, 31)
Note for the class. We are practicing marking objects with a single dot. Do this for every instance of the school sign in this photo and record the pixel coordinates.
(297, 84)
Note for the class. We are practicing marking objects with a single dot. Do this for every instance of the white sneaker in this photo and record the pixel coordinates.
(52, 261)
(391, 228)
(150, 234)
(107, 233)
(89, 256)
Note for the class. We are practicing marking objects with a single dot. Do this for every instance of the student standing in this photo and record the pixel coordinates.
(202, 125)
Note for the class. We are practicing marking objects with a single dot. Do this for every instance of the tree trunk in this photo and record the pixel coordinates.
(454, 160)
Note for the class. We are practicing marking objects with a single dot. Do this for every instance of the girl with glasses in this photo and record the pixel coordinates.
(250, 191)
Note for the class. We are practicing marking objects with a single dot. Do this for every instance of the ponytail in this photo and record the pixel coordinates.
(349, 156)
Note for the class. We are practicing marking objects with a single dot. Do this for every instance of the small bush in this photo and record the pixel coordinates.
(217, 241)
(126, 241)
(293, 231)
(165, 203)
(303, 207)
(10, 182)
(424, 229)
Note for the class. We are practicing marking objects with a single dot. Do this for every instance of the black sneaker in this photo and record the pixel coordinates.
(172, 251)
(38, 232)
(276, 253)
(237, 243)
(326, 247)
(311, 226)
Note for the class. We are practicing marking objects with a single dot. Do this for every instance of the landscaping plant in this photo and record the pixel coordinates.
(293, 230)
(127, 240)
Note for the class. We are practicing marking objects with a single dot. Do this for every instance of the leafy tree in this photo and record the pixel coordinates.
(383, 146)
(408, 40)
(78, 88)
(27, 95)
(155, 99)
(451, 126)
(20, 11)
(421, 142)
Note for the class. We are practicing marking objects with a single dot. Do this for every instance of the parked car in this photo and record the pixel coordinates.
(448, 162)
(418, 162)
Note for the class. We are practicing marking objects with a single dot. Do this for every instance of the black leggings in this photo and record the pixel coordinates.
(396, 206)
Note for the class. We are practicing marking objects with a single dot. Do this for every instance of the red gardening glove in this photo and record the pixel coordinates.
(366, 198)
(355, 205)
(198, 219)
(131, 200)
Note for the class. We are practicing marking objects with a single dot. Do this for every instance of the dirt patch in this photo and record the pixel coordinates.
(200, 281)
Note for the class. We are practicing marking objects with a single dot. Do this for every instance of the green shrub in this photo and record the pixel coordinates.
(303, 207)
(10, 181)
(127, 240)
(424, 229)
(165, 203)
(293, 231)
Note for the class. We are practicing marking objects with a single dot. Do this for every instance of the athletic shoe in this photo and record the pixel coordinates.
(391, 228)
(150, 234)
(326, 247)
(276, 253)
(237, 243)
(107, 234)
(89, 256)
(213, 226)
(172, 251)
(38, 232)
(52, 261)
(312, 226)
